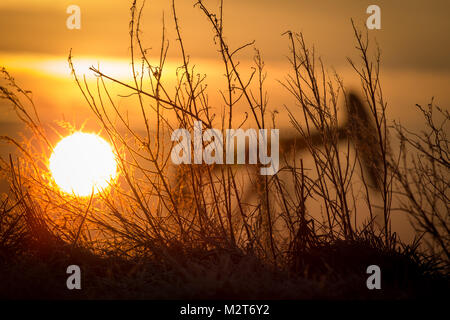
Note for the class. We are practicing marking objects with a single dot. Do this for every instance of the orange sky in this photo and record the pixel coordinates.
(413, 35)
(35, 42)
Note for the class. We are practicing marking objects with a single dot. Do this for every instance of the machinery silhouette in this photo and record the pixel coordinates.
(358, 128)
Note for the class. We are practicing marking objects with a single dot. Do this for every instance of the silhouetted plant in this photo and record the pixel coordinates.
(164, 212)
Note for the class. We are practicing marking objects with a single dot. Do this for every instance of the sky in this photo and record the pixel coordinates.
(413, 35)
(35, 43)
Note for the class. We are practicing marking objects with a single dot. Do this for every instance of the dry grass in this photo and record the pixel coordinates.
(193, 227)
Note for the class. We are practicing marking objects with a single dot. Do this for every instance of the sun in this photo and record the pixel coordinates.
(83, 163)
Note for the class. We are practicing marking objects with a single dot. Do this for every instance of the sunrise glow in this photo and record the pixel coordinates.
(83, 163)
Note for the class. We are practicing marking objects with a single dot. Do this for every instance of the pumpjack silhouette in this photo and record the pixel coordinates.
(358, 127)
